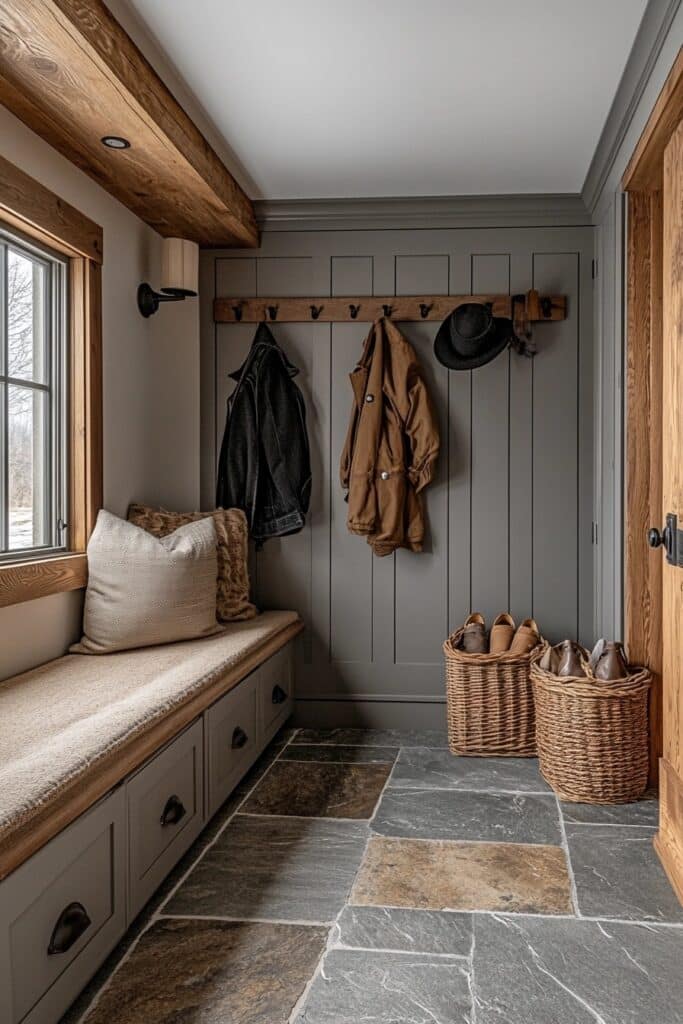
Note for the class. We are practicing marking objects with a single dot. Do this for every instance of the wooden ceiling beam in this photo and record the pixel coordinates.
(73, 75)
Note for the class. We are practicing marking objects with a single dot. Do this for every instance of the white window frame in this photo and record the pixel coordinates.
(56, 448)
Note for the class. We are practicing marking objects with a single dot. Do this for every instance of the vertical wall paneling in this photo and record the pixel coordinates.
(520, 444)
(510, 510)
(556, 468)
(490, 458)
(459, 466)
(421, 585)
(351, 562)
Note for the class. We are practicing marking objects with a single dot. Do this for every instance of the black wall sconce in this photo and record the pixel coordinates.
(179, 273)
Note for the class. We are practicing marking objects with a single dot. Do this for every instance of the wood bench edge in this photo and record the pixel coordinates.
(85, 791)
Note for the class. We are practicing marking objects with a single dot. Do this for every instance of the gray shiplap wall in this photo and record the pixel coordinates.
(510, 511)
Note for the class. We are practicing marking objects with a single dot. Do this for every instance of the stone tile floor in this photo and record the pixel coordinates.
(369, 876)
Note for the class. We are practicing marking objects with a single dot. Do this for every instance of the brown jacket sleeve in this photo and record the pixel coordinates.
(421, 429)
(414, 406)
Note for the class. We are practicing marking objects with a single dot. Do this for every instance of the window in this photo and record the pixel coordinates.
(50, 389)
(33, 405)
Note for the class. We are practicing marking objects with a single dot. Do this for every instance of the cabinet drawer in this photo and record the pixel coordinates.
(231, 731)
(60, 915)
(276, 691)
(165, 813)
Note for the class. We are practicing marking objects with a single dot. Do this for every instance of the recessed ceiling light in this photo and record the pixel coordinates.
(115, 142)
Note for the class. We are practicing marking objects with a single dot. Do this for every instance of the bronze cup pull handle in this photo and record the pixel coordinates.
(71, 924)
(239, 738)
(173, 811)
(279, 696)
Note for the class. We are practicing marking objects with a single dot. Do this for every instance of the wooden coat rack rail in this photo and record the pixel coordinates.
(367, 308)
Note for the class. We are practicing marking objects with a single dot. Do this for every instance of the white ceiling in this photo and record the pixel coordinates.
(322, 99)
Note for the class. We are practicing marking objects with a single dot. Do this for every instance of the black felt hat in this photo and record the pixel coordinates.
(471, 336)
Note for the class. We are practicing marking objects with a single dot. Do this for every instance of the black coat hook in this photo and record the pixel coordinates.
(316, 311)
(272, 312)
(424, 309)
(387, 310)
(354, 311)
(237, 310)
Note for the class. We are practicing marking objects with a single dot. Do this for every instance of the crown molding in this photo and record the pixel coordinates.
(654, 28)
(421, 212)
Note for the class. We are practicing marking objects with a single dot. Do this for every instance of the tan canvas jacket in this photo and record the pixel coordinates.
(392, 443)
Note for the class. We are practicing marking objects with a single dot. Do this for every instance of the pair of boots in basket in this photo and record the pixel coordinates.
(607, 663)
(505, 637)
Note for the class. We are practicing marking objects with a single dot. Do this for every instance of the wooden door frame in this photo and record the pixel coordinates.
(642, 181)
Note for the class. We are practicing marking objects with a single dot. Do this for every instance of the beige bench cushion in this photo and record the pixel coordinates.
(60, 721)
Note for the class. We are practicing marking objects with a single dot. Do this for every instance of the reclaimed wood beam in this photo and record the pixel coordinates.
(73, 75)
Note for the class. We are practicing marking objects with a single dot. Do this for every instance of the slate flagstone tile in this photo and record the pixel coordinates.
(618, 874)
(489, 817)
(387, 988)
(437, 875)
(290, 869)
(213, 972)
(409, 931)
(642, 812)
(319, 790)
(343, 754)
(375, 737)
(422, 768)
(530, 970)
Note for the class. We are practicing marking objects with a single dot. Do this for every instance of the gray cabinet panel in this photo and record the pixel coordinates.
(84, 865)
(232, 739)
(165, 813)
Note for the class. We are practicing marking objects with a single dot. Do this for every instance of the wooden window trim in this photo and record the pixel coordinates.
(29, 207)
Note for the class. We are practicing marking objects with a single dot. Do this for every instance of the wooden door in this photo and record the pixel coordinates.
(670, 839)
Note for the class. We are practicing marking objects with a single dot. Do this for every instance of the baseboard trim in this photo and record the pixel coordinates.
(369, 714)
(370, 698)
(669, 840)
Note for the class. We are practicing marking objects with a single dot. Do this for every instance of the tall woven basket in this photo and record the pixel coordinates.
(593, 736)
(489, 702)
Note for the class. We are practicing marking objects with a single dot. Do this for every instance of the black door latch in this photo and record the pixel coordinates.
(671, 538)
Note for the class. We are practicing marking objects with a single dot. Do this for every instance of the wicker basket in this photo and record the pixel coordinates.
(592, 736)
(489, 702)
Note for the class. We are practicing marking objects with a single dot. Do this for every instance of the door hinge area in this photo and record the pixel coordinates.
(594, 533)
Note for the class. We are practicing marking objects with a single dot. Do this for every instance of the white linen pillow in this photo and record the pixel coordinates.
(143, 590)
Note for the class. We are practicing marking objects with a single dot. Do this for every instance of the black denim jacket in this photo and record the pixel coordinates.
(264, 466)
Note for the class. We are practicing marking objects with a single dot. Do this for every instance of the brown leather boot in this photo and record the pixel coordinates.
(502, 632)
(608, 661)
(526, 638)
(570, 656)
(474, 639)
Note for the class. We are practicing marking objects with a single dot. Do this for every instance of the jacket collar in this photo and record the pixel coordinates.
(263, 342)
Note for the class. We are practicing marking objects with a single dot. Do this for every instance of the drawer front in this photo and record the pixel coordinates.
(232, 739)
(276, 692)
(165, 813)
(61, 913)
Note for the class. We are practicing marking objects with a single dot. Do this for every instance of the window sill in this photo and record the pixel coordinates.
(25, 581)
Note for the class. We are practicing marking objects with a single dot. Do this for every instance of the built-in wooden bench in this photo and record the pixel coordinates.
(110, 766)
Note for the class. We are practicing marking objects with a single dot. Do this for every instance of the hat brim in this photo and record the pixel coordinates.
(493, 345)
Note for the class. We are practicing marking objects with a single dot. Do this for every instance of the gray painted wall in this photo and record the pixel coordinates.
(510, 513)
